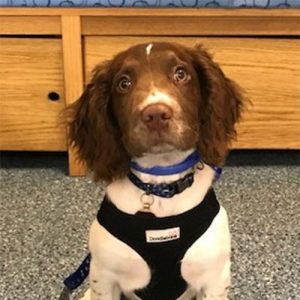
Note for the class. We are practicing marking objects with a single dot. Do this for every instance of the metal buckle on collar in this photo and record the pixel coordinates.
(148, 189)
(167, 191)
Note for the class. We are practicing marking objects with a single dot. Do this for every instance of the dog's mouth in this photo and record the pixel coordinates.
(159, 142)
(158, 137)
(161, 148)
(175, 136)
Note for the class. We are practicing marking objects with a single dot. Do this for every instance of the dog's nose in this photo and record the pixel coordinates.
(157, 116)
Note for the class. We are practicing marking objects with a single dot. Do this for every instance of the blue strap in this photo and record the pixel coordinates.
(74, 280)
(189, 162)
(218, 171)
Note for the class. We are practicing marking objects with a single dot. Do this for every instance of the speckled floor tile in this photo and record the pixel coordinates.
(45, 217)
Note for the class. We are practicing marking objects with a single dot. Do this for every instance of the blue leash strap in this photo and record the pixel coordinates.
(218, 171)
(74, 280)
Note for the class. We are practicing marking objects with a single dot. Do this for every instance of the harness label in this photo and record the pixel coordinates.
(164, 235)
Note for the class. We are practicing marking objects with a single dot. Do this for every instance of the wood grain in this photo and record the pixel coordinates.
(29, 25)
(29, 70)
(73, 73)
(174, 25)
(267, 69)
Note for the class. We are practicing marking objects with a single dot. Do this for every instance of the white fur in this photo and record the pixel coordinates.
(116, 267)
(156, 96)
(148, 49)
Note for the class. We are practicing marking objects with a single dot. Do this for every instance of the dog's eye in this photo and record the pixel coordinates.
(181, 75)
(124, 84)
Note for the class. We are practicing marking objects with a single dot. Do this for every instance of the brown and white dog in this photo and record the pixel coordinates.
(155, 104)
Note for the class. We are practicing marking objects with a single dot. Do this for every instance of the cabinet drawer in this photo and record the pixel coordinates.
(30, 69)
(268, 70)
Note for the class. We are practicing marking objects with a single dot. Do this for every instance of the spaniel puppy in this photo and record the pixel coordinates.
(164, 114)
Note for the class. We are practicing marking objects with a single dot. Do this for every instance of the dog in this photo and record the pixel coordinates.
(165, 114)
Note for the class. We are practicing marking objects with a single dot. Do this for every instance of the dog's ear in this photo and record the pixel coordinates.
(220, 107)
(93, 130)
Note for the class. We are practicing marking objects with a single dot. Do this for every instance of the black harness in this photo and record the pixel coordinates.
(163, 256)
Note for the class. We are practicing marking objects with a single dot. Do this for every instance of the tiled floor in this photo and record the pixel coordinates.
(45, 216)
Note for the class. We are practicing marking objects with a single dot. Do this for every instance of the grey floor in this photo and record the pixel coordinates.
(45, 216)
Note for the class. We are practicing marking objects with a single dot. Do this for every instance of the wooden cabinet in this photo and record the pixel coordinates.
(268, 69)
(31, 94)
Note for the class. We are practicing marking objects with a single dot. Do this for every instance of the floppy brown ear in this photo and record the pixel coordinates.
(93, 130)
(220, 107)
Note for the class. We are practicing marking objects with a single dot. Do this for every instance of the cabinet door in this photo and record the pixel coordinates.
(31, 94)
(268, 70)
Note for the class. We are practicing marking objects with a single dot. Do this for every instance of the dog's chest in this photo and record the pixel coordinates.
(159, 243)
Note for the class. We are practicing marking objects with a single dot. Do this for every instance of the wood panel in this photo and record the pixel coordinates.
(190, 21)
(73, 72)
(190, 25)
(29, 25)
(267, 69)
(29, 70)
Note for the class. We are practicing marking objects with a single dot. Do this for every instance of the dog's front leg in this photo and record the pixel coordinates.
(102, 286)
(88, 295)
(206, 265)
(218, 284)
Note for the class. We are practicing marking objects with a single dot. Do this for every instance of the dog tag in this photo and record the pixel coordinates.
(200, 165)
(147, 201)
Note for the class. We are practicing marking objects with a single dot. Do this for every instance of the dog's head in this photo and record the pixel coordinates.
(154, 98)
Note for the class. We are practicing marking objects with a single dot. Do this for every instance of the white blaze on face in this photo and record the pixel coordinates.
(148, 49)
(157, 96)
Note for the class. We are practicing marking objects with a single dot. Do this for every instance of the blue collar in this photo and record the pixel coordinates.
(186, 164)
